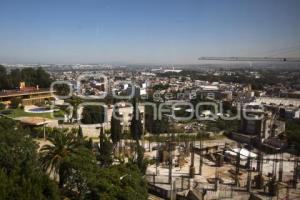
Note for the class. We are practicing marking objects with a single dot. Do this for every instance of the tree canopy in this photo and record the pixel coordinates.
(293, 136)
(116, 127)
(136, 127)
(20, 174)
(92, 114)
(63, 169)
(31, 76)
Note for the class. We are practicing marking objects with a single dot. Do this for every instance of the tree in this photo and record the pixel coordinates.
(28, 75)
(15, 102)
(20, 173)
(42, 78)
(80, 133)
(75, 164)
(115, 127)
(293, 136)
(105, 152)
(140, 161)
(82, 169)
(22, 169)
(55, 157)
(16, 77)
(136, 127)
(92, 115)
(32, 77)
(152, 125)
(2, 106)
(62, 89)
(3, 78)
(118, 182)
(74, 101)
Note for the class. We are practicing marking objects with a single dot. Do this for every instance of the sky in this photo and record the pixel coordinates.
(146, 31)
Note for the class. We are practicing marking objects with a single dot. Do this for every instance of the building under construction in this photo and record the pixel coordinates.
(221, 169)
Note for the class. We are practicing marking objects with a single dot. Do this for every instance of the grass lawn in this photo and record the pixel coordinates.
(21, 113)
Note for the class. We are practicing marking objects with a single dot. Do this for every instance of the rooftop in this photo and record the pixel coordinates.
(34, 121)
(6, 93)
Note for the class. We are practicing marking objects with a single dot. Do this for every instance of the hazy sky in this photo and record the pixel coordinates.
(146, 31)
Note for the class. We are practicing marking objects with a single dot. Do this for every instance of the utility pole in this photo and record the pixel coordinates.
(173, 190)
(181, 182)
(216, 178)
(157, 161)
(171, 140)
(259, 181)
(237, 169)
(170, 154)
(280, 173)
(201, 157)
(295, 175)
(170, 162)
(192, 167)
(274, 170)
(249, 175)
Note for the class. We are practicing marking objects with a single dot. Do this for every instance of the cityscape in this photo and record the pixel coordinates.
(136, 100)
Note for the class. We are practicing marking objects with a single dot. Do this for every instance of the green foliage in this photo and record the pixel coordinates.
(116, 128)
(6, 112)
(80, 177)
(55, 157)
(80, 133)
(118, 182)
(74, 101)
(19, 112)
(92, 115)
(4, 82)
(2, 106)
(136, 127)
(32, 77)
(15, 102)
(62, 89)
(136, 130)
(16, 77)
(7, 124)
(20, 175)
(153, 125)
(161, 86)
(81, 169)
(140, 161)
(42, 78)
(105, 153)
(293, 136)
(34, 185)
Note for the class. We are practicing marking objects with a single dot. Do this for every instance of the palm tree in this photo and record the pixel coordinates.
(56, 157)
(75, 102)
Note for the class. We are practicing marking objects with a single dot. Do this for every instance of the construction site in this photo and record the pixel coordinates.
(220, 169)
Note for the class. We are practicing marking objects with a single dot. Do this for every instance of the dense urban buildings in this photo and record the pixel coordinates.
(207, 136)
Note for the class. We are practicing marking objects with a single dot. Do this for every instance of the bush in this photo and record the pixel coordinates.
(6, 112)
(2, 106)
(15, 102)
